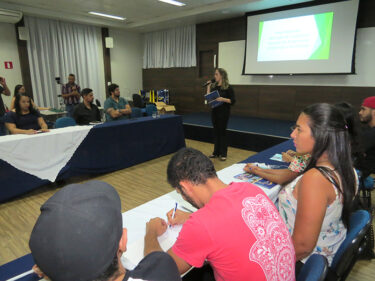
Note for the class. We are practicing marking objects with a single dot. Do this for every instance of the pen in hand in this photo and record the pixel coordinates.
(174, 213)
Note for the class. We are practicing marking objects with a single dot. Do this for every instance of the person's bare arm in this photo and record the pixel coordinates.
(68, 95)
(154, 228)
(14, 130)
(279, 176)
(6, 90)
(312, 197)
(113, 112)
(42, 124)
(182, 265)
(127, 110)
(180, 217)
(12, 103)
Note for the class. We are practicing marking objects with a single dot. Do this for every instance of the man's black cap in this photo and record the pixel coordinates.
(78, 232)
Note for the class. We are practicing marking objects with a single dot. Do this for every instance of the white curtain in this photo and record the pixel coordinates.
(170, 48)
(57, 49)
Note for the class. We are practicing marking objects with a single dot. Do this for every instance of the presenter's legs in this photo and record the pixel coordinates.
(220, 122)
(215, 124)
(223, 145)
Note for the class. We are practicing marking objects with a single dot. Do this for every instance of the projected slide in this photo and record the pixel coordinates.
(297, 38)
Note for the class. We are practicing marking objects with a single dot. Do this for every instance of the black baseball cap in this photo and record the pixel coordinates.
(77, 234)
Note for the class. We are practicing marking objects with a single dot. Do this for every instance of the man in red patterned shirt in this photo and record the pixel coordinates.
(237, 228)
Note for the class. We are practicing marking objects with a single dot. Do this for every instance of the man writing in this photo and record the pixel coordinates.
(4, 90)
(71, 94)
(116, 107)
(367, 117)
(86, 112)
(79, 236)
(237, 229)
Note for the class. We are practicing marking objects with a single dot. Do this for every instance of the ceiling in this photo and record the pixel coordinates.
(141, 15)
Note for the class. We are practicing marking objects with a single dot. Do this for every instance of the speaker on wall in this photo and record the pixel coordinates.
(23, 33)
(109, 42)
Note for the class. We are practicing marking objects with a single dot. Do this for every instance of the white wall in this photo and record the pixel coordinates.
(9, 52)
(231, 57)
(127, 61)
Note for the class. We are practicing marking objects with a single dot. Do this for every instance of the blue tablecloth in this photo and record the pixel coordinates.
(25, 263)
(265, 155)
(108, 147)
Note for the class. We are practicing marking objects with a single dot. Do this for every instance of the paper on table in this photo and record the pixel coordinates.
(277, 157)
(134, 252)
(227, 176)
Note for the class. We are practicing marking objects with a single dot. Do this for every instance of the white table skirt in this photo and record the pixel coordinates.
(42, 155)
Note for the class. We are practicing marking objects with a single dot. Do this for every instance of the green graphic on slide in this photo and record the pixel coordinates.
(324, 24)
(260, 32)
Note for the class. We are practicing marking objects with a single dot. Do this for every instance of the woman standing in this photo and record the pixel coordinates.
(220, 114)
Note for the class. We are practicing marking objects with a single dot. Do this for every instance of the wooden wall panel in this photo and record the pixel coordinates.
(276, 101)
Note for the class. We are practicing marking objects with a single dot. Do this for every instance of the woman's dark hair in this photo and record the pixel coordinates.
(17, 104)
(352, 121)
(331, 135)
(16, 89)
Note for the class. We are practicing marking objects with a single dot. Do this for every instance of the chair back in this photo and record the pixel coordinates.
(138, 101)
(136, 112)
(150, 109)
(315, 269)
(65, 122)
(347, 254)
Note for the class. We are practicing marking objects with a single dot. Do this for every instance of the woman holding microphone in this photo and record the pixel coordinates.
(220, 114)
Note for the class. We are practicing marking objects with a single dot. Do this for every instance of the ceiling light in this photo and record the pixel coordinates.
(173, 2)
(107, 16)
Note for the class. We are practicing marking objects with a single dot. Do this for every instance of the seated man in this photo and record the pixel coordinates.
(367, 117)
(237, 228)
(86, 112)
(79, 236)
(116, 107)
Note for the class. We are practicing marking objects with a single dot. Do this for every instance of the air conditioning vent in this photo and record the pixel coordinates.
(10, 16)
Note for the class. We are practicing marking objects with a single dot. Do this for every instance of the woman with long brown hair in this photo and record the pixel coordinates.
(220, 114)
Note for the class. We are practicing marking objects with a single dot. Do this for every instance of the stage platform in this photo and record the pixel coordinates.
(250, 133)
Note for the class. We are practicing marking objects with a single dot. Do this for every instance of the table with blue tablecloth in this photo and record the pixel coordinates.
(25, 263)
(107, 147)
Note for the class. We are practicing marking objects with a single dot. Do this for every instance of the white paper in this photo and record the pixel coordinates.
(277, 157)
(227, 176)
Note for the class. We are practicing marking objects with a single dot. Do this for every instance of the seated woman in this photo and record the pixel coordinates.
(26, 119)
(20, 89)
(299, 162)
(316, 205)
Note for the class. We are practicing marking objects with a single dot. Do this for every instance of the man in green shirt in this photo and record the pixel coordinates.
(115, 107)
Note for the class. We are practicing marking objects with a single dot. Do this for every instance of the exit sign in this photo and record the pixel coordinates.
(8, 65)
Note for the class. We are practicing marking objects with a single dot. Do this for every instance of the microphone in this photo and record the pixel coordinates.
(97, 102)
(209, 82)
